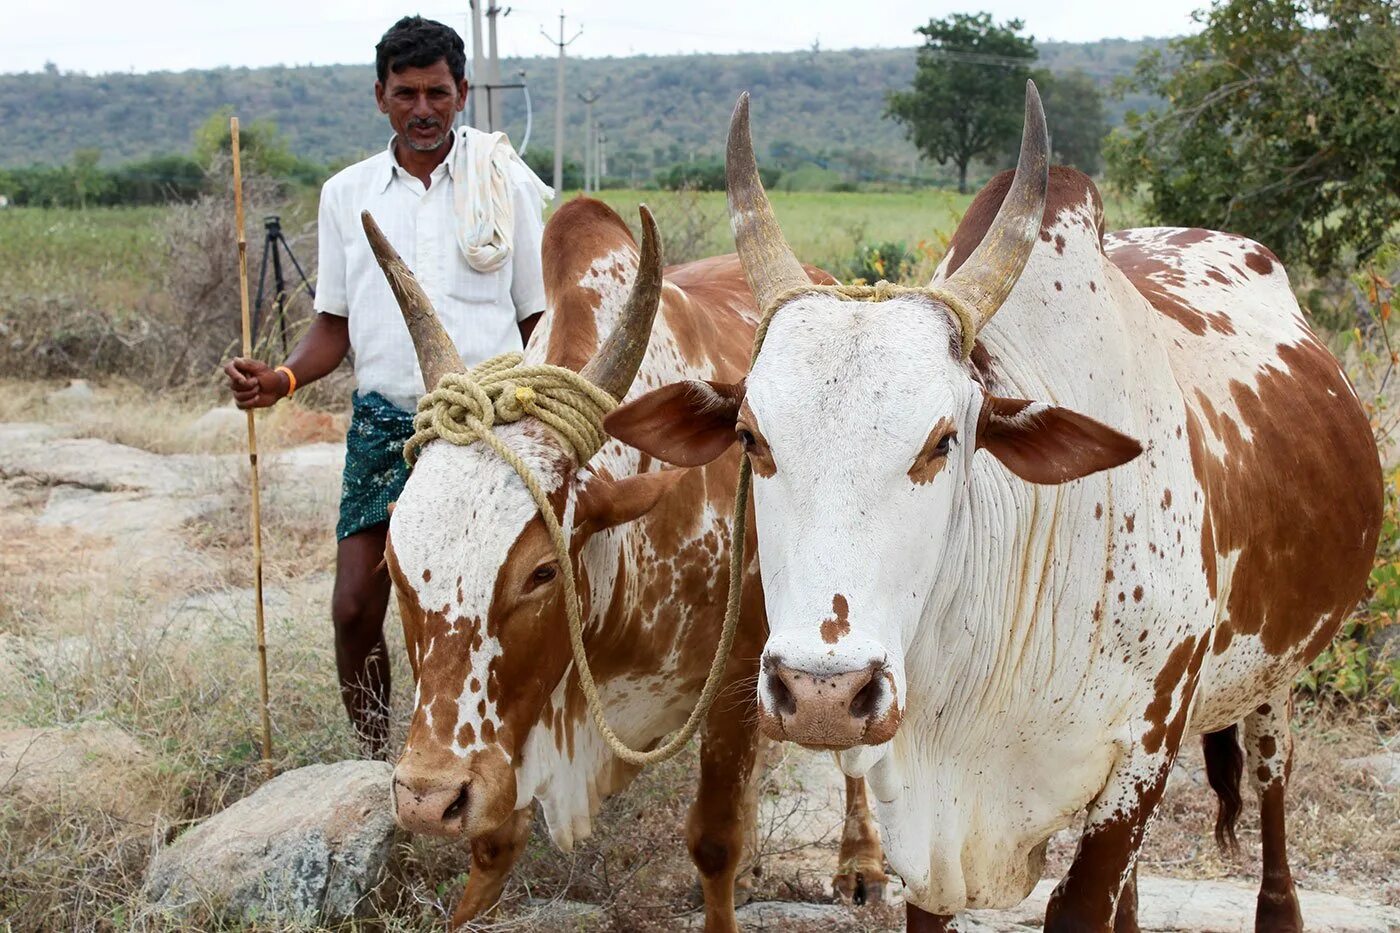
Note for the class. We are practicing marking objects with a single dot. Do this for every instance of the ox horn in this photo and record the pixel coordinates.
(615, 364)
(768, 261)
(986, 277)
(437, 356)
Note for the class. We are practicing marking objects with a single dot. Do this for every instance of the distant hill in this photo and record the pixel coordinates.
(656, 111)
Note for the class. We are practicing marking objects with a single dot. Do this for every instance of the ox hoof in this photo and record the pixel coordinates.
(860, 888)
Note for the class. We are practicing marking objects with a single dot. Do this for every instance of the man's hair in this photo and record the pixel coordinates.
(415, 42)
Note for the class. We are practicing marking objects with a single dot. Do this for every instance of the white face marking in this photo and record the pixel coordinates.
(460, 512)
(845, 394)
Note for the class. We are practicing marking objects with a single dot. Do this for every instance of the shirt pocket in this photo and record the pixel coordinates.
(478, 288)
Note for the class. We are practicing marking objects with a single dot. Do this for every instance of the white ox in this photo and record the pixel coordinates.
(1005, 611)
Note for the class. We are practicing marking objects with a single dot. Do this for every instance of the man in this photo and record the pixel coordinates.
(466, 215)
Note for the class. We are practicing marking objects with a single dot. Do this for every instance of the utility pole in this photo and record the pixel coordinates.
(590, 145)
(559, 105)
(493, 68)
(478, 113)
(602, 155)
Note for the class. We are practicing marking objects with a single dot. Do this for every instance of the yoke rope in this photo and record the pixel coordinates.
(880, 291)
(462, 410)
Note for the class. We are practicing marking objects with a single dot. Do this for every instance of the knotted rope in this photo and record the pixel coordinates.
(464, 407)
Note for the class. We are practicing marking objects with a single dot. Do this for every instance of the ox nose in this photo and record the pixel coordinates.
(826, 710)
(433, 808)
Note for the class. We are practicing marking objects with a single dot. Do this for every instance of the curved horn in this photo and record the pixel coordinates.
(437, 355)
(768, 261)
(615, 364)
(987, 276)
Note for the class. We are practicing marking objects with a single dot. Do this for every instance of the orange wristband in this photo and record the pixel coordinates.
(291, 379)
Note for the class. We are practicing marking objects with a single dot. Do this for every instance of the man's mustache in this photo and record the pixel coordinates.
(430, 124)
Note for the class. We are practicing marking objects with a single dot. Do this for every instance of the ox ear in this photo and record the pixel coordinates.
(685, 423)
(604, 504)
(1047, 444)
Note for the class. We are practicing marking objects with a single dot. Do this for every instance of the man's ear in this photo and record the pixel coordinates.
(685, 423)
(1046, 444)
(604, 504)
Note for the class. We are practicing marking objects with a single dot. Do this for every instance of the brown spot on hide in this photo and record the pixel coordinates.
(1165, 685)
(1299, 499)
(1160, 280)
(466, 735)
(1259, 259)
(1268, 746)
(838, 625)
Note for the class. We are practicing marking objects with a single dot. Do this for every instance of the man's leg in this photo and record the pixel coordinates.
(361, 657)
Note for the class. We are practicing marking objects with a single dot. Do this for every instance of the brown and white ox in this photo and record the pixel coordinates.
(499, 717)
(1003, 610)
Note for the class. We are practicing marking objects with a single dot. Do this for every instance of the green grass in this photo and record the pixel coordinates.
(46, 249)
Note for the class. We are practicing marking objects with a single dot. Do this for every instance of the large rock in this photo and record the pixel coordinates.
(94, 771)
(76, 392)
(309, 846)
(218, 424)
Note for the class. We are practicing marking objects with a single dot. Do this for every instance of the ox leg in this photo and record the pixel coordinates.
(493, 856)
(715, 829)
(1269, 747)
(860, 877)
(917, 920)
(1087, 897)
(1126, 920)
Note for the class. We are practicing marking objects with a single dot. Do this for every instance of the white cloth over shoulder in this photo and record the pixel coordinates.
(482, 196)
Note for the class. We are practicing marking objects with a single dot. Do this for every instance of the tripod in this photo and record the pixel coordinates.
(273, 225)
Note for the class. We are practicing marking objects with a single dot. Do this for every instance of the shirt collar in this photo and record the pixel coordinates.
(449, 160)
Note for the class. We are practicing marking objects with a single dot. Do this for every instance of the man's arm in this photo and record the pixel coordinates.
(256, 385)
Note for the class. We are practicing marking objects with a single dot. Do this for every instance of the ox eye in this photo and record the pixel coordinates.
(746, 438)
(542, 575)
(945, 444)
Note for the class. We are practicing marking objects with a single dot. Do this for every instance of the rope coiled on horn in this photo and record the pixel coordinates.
(463, 409)
(880, 291)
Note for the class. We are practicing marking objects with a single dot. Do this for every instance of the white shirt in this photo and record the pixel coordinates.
(480, 310)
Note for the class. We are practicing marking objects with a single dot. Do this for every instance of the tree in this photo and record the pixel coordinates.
(1282, 126)
(1075, 115)
(968, 91)
(88, 180)
(261, 147)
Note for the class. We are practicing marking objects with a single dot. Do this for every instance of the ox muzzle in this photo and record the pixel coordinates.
(819, 703)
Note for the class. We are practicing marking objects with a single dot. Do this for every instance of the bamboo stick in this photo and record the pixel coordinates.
(252, 445)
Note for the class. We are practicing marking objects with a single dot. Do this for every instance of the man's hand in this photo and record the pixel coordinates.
(254, 384)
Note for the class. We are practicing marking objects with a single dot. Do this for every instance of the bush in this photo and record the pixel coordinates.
(706, 175)
(892, 262)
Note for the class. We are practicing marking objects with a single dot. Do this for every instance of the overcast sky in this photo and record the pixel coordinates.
(97, 36)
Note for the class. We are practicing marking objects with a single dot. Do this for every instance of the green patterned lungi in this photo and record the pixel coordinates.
(375, 470)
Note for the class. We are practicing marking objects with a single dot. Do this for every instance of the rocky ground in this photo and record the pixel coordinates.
(128, 714)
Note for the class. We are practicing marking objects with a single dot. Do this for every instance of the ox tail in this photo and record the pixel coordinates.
(1224, 767)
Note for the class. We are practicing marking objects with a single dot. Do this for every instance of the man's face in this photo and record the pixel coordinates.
(420, 103)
